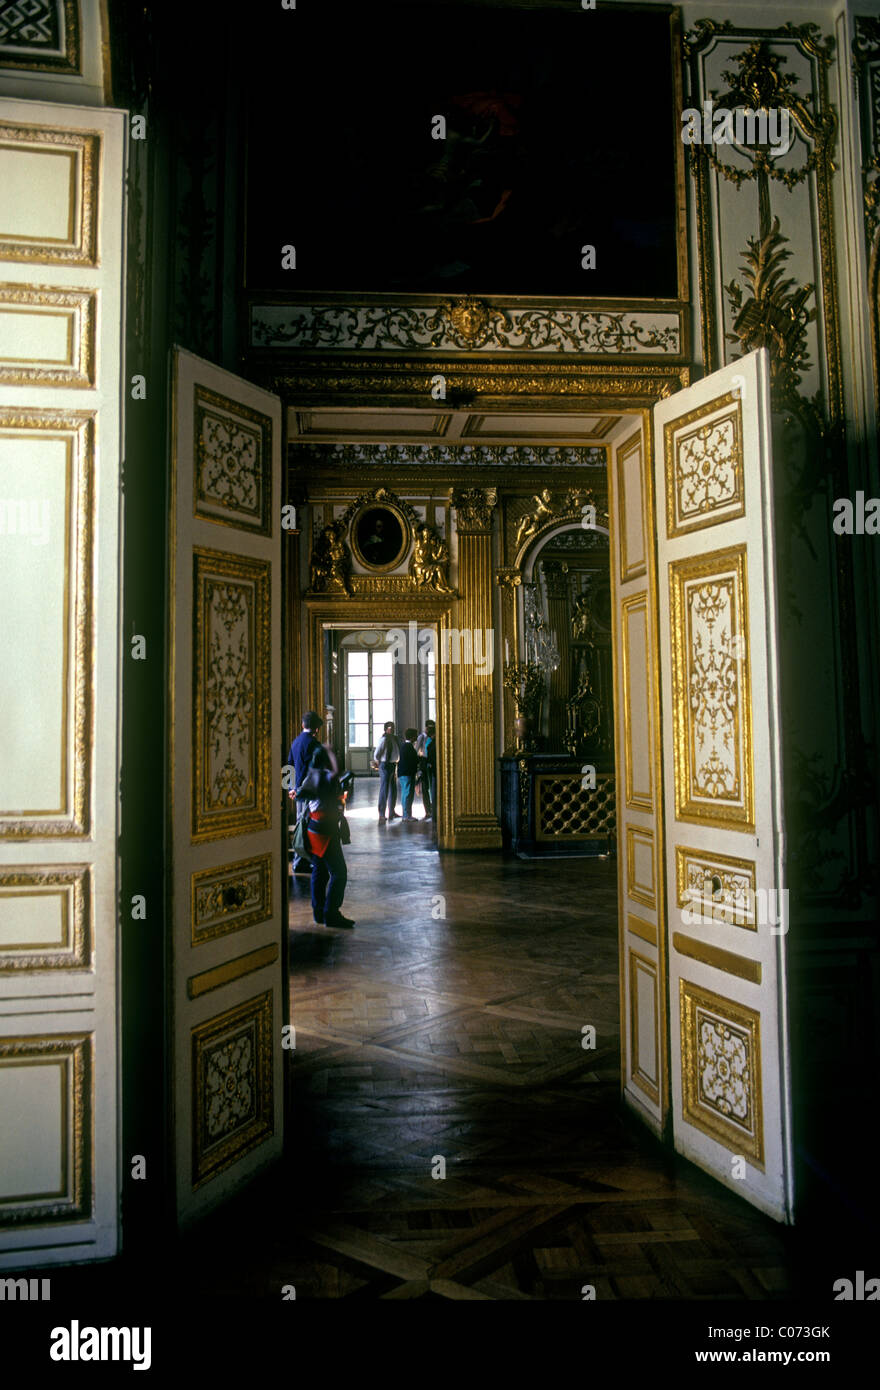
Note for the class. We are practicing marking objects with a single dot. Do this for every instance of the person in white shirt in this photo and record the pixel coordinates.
(424, 769)
(386, 756)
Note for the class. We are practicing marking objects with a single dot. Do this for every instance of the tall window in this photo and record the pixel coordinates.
(369, 694)
(432, 685)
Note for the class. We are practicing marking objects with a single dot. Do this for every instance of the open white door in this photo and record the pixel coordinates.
(723, 823)
(226, 795)
(643, 1050)
(61, 246)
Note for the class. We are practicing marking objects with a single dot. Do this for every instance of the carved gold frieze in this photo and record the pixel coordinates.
(716, 886)
(65, 891)
(71, 1057)
(721, 1070)
(703, 462)
(711, 690)
(232, 1096)
(66, 356)
(77, 155)
(231, 789)
(230, 898)
(232, 478)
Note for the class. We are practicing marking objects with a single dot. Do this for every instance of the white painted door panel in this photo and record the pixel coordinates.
(723, 793)
(61, 256)
(225, 824)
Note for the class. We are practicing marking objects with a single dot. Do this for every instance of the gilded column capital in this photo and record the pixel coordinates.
(556, 578)
(474, 507)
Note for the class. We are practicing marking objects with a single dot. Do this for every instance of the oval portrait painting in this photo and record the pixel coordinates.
(380, 538)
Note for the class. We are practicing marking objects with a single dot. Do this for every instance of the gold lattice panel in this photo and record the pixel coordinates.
(565, 811)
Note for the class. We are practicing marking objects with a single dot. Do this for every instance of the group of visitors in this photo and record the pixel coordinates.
(320, 803)
(412, 763)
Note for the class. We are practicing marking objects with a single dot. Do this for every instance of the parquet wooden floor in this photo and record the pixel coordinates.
(449, 1137)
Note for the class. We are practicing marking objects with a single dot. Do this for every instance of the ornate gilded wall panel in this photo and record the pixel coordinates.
(50, 1078)
(231, 695)
(232, 479)
(721, 1070)
(47, 336)
(49, 589)
(637, 751)
(40, 35)
(704, 467)
(644, 1025)
(46, 918)
(641, 870)
(717, 886)
(231, 897)
(49, 213)
(711, 712)
(232, 1101)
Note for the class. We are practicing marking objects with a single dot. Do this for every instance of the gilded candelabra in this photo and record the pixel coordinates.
(525, 681)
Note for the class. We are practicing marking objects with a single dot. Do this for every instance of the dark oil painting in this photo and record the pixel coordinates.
(546, 109)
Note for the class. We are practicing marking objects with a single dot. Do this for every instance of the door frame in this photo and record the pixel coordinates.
(382, 612)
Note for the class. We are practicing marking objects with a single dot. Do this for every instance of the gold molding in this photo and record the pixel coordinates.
(428, 610)
(578, 386)
(719, 565)
(736, 1138)
(75, 1201)
(636, 801)
(645, 931)
(77, 429)
(83, 148)
(631, 446)
(732, 964)
(74, 886)
(212, 1157)
(642, 1079)
(231, 970)
(638, 892)
(79, 371)
(254, 813)
(230, 898)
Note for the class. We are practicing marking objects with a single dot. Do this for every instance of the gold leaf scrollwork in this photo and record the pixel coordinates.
(775, 314)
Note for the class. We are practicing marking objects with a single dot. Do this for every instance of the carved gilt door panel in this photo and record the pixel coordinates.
(644, 1070)
(727, 912)
(225, 748)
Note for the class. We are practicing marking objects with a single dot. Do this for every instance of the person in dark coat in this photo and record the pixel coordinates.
(302, 750)
(325, 800)
(406, 772)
